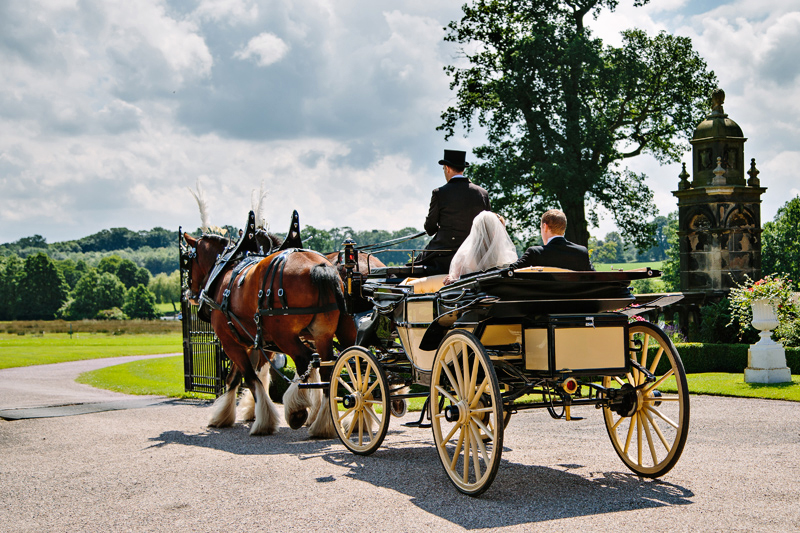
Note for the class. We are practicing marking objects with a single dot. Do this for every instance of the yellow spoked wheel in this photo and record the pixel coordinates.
(466, 412)
(648, 428)
(359, 401)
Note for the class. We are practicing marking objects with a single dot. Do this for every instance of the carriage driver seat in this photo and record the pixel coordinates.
(426, 285)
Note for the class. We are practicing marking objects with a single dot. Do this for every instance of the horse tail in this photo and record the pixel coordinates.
(326, 279)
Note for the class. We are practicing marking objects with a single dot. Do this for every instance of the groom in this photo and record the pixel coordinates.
(557, 250)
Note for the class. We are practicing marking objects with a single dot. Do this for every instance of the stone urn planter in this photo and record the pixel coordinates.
(766, 359)
(765, 319)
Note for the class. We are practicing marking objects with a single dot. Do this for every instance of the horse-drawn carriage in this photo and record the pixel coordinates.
(496, 343)
(477, 351)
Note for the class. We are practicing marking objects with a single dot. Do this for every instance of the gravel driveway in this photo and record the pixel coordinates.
(159, 468)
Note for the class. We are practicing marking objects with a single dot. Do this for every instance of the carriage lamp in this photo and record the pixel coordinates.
(570, 385)
(350, 254)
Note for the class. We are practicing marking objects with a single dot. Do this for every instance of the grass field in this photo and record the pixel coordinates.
(161, 377)
(42, 349)
(606, 267)
(168, 309)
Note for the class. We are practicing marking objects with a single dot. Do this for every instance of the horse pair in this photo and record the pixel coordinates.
(284, 302)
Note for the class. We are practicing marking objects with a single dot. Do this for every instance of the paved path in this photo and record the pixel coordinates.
(161, 469)
(50, 390)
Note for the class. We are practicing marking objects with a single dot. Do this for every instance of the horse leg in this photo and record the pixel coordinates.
(315, 396)
(247, 404)
(266, 414)
(223, 412)
(296, 401)
(322, 425)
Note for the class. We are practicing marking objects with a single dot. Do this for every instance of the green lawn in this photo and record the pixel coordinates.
(605, 267)
(27, 350)
(720, 384)
(162, 377)
(167, 308)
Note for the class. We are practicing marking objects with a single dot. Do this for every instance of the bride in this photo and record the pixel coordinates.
(487, 246)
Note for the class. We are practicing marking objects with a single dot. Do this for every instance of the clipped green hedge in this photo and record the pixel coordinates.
(732, 358)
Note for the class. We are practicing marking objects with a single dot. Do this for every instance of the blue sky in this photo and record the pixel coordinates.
(109, 110)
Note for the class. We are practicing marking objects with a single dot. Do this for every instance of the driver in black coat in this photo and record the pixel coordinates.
(449, 220)
(557, 250)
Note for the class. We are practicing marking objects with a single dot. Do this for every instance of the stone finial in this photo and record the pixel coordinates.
(717, 99)
(753, 173)
(719, 174)
(684, 176)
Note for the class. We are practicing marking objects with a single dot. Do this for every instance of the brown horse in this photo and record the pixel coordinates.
(366, 262)
(296, 297)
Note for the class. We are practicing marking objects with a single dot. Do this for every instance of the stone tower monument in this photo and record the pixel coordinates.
(719, 211)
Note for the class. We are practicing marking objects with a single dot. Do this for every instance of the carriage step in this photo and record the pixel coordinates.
(322, 385)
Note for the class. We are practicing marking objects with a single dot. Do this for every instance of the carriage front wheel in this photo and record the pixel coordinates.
(359, 400)
(649, 429)
(466, 412)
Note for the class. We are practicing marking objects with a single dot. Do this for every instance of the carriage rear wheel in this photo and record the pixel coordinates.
(359, 400)
(649, 429)
(466, 412)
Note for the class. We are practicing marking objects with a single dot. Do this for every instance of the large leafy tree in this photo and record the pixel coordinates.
(94, 293)
(562, 111)
(11, 272)
(780, 251)
(42, 288)
(140, 303)
(166, 288)
(126, 270)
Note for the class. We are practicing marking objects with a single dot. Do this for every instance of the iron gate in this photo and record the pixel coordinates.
(205, 366)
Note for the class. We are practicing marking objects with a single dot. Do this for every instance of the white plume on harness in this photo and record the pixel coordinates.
(202, 204)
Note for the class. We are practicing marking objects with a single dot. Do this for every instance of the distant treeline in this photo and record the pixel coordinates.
(155, 250)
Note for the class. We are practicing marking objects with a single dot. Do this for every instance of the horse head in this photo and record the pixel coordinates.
(199, 258)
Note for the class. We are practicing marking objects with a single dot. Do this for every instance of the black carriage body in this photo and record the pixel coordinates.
(547, 324)
(497, 343)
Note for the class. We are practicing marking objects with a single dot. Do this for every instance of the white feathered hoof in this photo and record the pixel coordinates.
(223, 412)
(247, 407)
(295, 406)
(322, 427)
(267, 417)
(314, 398)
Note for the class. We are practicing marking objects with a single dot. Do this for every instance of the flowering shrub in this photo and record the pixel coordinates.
(776, 289)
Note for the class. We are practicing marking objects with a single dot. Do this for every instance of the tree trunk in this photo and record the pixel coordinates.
(577, 227)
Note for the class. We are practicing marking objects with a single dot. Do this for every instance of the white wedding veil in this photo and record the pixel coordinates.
(487, 246)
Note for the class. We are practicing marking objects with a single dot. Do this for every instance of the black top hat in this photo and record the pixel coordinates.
(455, 159)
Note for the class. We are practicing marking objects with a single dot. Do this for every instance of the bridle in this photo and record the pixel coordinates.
(187, 255)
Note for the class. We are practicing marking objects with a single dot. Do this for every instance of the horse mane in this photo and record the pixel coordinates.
(217, 238)
(268, 240)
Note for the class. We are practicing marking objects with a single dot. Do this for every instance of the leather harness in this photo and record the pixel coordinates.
(266, 299)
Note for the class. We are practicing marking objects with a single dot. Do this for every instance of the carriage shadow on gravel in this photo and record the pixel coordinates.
(408, 464)
(521, 493)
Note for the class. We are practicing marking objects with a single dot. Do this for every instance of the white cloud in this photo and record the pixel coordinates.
(232, 11)
(110, 109)
(265, 48)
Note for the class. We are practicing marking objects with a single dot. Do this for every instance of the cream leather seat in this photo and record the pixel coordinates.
(426, 285)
